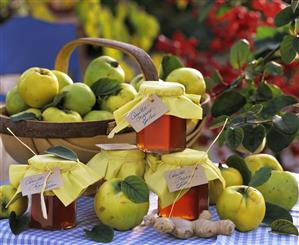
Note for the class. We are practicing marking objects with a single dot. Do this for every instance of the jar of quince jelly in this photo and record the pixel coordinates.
(187, 203)
(70, 179)
(59, 216)
(168, 132)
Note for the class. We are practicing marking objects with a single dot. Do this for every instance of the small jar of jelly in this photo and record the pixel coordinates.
(185, 203)
(55, 208)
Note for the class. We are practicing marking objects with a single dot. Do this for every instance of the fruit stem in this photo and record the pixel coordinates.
(114, 64)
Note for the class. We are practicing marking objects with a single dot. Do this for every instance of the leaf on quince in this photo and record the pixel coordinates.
(105, 87)
(234, 137)
(260, 177)
(168, 64)
(287, 123)
(274, 212)
(135, 189)
(18, 224)
(238, 163)
(63, 152)
(23, 116)
(283, 226)
(100, 233)
(58, 100)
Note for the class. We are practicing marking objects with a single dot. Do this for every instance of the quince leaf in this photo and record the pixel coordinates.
(260, 177)
(100, 233)
(274, 212)
(218, 122)
(23, 116)
(18, 224)
(63, 152)
(283, 226)
(234, 137)
(105, 87)
(239, 53)
(238, 163)
(253, 136)
(168, 64)
(58, 99)
(135, 189)
(287, 124)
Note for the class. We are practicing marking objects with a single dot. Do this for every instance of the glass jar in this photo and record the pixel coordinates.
(190, 205)
(59, 216)
(165, 135)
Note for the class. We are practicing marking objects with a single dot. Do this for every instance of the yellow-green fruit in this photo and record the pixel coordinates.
(261, 147)
(191, 78)
(243, 205)
(63, 79)
(215, 190)
(13, 102)
(98, 116)
(79, 98)
(103, 67)
(114, 209)
(280, 189)
(113, 102)
(19, 205)
(38, 86)
(256, 161)
(232, 176)
(53, 114)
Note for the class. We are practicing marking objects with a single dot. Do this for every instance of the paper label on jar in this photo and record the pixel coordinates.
(146, 112)
(116, 147)
(34, 184)
(185, 178)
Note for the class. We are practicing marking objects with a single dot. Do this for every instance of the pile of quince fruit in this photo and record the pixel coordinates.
(257, 191)
(51, 95)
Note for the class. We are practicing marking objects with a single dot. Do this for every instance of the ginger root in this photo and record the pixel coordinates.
(184, 229)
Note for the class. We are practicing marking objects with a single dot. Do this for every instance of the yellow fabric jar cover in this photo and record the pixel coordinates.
(110, 164)
(158, 165)
(76, 175)
(173, 96)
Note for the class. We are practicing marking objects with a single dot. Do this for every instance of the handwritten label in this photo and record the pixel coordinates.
(185, 178)
(33, 184)
(115, 147)
(146, 112)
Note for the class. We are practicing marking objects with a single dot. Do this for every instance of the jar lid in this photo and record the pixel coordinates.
(161, 88)
(186, 157)
(49, 161)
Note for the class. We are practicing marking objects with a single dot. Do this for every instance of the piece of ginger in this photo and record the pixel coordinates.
(184, 229)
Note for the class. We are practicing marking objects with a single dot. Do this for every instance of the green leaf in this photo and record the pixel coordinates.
(105, 87)
(284, 17)
(238, 163)
(260, 177)
(214, 80)
(287, 124)
(18, 224)
(256, 109)
(228, 103)
(135, 189)
(168, 64)
(283, 226)
(63, 152)
(277, 141)
(264, 92)
(294, 5)
(23, 116)
(100, 233)
(287, 50)
(218, 122)
(253, 136)
(204, 10)
(274, 212)
(239, 53)
(273, 68)
(276, 104)
(234, 137)
(296, 44)
(58, 100)
(263, 32)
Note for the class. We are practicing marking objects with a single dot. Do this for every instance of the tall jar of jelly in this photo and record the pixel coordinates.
(52, 209)
(187, 202)
(167, 133)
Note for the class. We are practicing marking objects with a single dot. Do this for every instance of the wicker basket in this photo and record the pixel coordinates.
(81, 137)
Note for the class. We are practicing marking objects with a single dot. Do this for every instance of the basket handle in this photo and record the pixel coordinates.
(140, 56)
